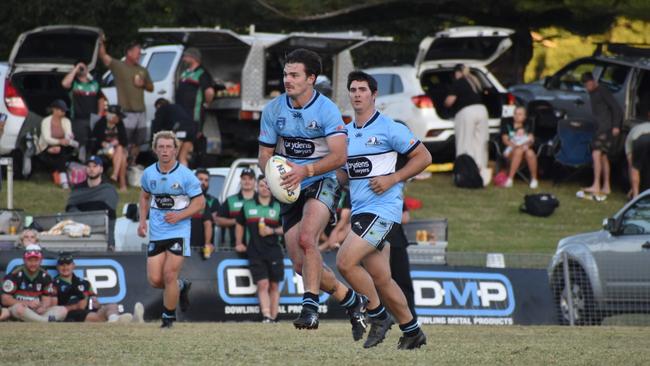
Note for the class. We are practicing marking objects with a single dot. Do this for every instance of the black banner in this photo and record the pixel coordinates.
(222, 289)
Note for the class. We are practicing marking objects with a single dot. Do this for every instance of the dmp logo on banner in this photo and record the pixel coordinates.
(105, 275)
(463, 294)
(236, 286)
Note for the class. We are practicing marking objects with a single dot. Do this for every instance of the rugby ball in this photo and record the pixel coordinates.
(275, 168)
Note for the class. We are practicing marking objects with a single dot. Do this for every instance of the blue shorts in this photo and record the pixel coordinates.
(326, 190)
(373, 228)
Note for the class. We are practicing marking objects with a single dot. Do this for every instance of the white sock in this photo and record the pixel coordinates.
(113, 318)
(63, 176)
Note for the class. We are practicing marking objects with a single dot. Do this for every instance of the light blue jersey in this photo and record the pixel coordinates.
(300, 134)
(171, 191)
(372, 152)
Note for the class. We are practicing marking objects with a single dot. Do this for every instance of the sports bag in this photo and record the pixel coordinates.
(76, 173)
(540, 204)
(466, 173)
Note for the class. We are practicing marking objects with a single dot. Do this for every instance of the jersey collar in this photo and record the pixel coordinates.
(368, 122)
(169, 172)
(314, 96)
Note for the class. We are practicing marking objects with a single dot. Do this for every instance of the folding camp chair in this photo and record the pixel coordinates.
(572, 147)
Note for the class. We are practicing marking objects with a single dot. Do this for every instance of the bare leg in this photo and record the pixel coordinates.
(314, 218)
(635, 181)
(274, 296)
(606, 169)
(263, 296)
(377, 264)
(155, 270)
(517, 156)
(22, 312)
(4, 314)
(595, 187)
(171, 270)
(348, 261)
(531, 160)
(185, 151)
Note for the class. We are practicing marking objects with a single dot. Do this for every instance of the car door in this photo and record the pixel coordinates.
(566, 92)
(623, 260)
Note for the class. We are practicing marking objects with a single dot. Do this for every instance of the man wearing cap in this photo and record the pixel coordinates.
(28, 291)
(131, 81)
(109, 139)
(86, 99)
(95, 194)
(75, 294)
(194, 92)
(229, 210)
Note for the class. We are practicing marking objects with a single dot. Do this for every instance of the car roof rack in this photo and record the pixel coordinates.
(623, 49)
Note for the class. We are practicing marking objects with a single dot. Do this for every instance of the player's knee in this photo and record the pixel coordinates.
(17, 310)
(263, 285)
(343, 264)
(170, 278)
(155, 281)
(306, 241)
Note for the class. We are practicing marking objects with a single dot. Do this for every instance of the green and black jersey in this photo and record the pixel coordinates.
(252, 212)
(191, 86)
(230, 209)
(84, 97)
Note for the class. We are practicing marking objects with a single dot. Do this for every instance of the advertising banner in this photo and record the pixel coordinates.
(223, 289)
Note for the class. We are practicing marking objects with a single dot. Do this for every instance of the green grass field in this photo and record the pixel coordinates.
(486, 220)
(280, 344)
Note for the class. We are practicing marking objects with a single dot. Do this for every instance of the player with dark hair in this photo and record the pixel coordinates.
(375, 141)
(307, 128)
(171, 194)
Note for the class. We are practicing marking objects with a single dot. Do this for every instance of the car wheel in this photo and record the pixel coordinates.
(584, 311)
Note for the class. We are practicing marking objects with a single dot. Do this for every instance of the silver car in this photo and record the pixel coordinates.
(607, 272)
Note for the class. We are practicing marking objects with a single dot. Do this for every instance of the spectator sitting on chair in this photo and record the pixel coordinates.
(519, 140)
(609, 117)
(637, 150)
(173, 117)
(86, 99)
(75, 294)
(109, 140)
(28, 291)
(56, 143)
(95, 194)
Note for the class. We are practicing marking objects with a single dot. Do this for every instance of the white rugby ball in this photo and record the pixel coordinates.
(275, 168)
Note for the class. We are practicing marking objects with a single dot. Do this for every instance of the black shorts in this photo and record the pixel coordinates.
(186, 131)
(603, 141)
(267, 268)
(641, 152)
(177, 246)
(326, 190)
(77, 315)
(374, 229)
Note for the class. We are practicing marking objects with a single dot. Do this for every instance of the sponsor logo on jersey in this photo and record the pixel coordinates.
(176, 186)
(152, 183)
(373, 141)
(359, 167)
(313, 125)
(8, 286)
(281, 122)
(272, 212)
(164, 201)
(299, 148)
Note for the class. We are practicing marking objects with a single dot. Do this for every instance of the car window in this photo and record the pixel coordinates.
(160, 64)
(384, 83)
(569, 80)
(613, 77)
(216, 185)
(636, 220)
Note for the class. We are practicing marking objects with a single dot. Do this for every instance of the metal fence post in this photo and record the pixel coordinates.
(567, 285)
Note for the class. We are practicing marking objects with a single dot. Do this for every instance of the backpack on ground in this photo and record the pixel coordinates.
(466, 172)
(76, 173)
(540, 204)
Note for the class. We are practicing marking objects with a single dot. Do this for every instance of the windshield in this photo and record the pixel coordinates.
(473, 48)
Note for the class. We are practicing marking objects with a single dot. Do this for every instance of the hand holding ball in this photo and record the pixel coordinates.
(275, 168)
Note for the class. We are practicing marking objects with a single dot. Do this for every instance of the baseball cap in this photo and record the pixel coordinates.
(60, 104)
(33, 251)
(247, 171)
(65, 258)
(115, 109)
(95, 159)
(194, 53)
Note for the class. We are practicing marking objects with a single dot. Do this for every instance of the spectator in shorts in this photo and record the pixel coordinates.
(229, 210)
(57, 143)
(131, 80)
(28, 291)
(194, 92)
(109, 140)
(173, 117)
(203, 222)
(258, 235)
(608, 116)
(76, 295)
(95, 194)
(470, 119)
(518, 140)
(637, 150)
(86, 99)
